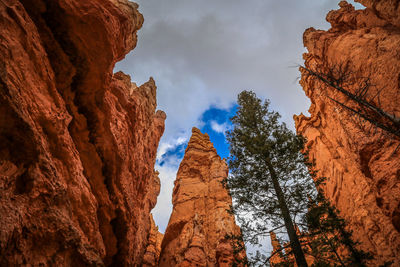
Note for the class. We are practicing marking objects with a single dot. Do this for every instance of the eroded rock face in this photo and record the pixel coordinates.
(361, 163)
(199, 222)
(153, 249)
(77, 143)
(277, 252)
(283, 255)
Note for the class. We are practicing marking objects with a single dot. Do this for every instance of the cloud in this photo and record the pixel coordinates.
(219, 128)
(203, 53)
(164, 147)
(163, 209)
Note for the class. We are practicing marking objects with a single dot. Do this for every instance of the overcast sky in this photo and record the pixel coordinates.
(202, 53)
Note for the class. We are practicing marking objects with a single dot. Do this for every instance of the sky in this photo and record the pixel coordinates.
(202, 53)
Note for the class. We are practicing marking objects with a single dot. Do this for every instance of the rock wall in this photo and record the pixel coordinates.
(77, 142)
(153, 249)
(195, 235)
(361, 163)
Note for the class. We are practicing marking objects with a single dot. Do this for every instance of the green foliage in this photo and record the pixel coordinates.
(259, 138)
(263, 149)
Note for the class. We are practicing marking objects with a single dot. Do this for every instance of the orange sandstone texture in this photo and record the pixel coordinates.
(362, 165)
(280, 255)
(277, 251)
(153, 249)
(77, 143)
(200, 220)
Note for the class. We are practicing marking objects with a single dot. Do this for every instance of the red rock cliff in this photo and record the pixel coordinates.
(77, 143)
(361, 163)
(199, 222)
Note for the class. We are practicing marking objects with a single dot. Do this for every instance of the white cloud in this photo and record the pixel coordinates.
(164, 147)
(163, 209)
(219, 128)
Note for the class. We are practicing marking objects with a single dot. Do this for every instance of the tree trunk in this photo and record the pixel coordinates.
(294, 240)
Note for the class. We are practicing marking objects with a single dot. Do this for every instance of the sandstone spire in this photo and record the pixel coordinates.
(196, 231)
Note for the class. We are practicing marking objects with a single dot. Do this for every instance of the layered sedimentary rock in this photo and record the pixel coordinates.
(152, 254)
(360, 161)
(200, 220)
(77, 143)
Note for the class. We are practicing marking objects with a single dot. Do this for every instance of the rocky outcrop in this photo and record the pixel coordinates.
(389, 10)
(284, 255)
(153, 249)
(77, 143)
(361, 162)
(200, 220)
(277, 256)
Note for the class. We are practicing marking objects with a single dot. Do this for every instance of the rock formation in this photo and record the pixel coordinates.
(277, 251)
(361, 162)
(200, 220)
(152, 254)
(284, 255)
(77, 143)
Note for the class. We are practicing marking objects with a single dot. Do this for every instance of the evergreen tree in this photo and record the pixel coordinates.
(272, 185)
(268, 179)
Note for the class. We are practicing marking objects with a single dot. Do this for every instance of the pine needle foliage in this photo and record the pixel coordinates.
(268, 179)
(274, 188)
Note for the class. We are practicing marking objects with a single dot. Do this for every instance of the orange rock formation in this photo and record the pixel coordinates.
(277, 251)
(362, 164)
(283, 255)
(77, 143)
(150, 258)
(200, 220)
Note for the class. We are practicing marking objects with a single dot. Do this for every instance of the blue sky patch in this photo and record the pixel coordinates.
(176, 152)
(216, 122)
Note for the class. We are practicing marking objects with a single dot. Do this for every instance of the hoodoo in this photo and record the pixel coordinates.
(200, 220)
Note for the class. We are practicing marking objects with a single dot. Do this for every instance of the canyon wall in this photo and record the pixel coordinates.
(360, 161)
(200, 221)
(153, 250)
(77, 142)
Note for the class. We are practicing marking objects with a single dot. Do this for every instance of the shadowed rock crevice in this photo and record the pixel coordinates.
(16, 144)
(396, 218)
(365, 158)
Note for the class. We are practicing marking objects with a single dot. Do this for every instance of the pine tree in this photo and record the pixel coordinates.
(274, 185)
(268, 179)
